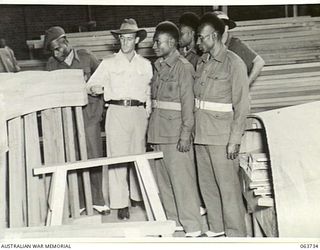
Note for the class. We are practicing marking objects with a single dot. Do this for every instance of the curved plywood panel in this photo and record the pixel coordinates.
(32, 91)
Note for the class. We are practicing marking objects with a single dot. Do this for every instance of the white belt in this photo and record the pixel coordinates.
(213, 106)
(166, 105)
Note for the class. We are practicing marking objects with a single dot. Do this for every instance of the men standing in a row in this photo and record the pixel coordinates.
(253, 61)
(222, 104)
(66, 57)
(124, 79)
(189, 22)
(170, 127)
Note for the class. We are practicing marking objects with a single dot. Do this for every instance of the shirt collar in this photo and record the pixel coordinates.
(122, 56)
(68, 60)
(76, 56)
(228, 40)
(170, 61)
(219, 57)
(221, 54)
(189, 51)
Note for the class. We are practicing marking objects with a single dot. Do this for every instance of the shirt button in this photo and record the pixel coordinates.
(202, 83)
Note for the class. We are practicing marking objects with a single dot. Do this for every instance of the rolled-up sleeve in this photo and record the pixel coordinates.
(186, 82)
(240, 101)
(99, 77)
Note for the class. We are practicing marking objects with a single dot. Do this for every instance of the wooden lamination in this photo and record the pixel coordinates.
(84, 156)
(17, 191)
(70, 147)
(53, 143)
(57, 198)
(41, 131)
(35, 185)
(3, 191)
(31, 91)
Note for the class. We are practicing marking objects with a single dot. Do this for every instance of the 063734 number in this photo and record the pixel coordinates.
(309, 245)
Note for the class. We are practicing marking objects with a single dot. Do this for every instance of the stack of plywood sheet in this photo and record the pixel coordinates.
(285, 85)
(256, 179)
(256, 166)
(278, 41)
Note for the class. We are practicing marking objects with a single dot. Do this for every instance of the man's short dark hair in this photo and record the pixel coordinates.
(211, 19)
(190, 19)
(169, 28)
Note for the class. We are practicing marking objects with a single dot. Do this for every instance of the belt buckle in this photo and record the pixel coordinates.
(197, 103)
(154, 104)
(201, 105)
(127, 102)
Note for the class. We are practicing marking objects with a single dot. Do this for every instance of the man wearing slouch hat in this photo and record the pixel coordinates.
(123, 79)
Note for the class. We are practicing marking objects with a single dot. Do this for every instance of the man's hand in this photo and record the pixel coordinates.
(233, 151)
(183, 145)
(96, 90)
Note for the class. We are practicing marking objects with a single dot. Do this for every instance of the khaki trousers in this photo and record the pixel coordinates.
(126, 134)
(221, 191)
(176, 178)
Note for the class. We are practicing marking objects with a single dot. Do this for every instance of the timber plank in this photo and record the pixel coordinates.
(69, 133)
(285, 94)
(149, 183)
(95, 162)
(35, 188)
(272, 101)
(84, 156)
(57, 197)
(3, 191)
(53, 143)
(283, 85)
(17, 191)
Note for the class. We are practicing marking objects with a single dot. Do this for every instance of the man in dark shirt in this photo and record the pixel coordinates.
(188, 23)
(253, 61)
(66, 57)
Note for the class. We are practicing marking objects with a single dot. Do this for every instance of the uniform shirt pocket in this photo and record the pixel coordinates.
(170, 123)
(218, 123)
(220, 84)
(170, 89)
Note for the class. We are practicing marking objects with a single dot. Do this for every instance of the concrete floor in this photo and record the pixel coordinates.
(136, 214)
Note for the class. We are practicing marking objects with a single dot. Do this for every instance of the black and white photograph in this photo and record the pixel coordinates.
(161, 122)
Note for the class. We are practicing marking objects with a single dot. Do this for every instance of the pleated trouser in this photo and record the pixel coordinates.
(220, 188)
(126, 135)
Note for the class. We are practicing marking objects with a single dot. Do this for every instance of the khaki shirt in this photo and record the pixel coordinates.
(172, 82)
(192, 56)
(222, 79)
